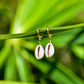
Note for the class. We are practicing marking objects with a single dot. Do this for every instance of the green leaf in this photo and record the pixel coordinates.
(58, 14)
(12, 82)
(35, 62)
(32, 14)
(78, 51)
(58, 74)
(4, 54)
(24, 72)
(10, 70)
(80, 39)
(65, 75)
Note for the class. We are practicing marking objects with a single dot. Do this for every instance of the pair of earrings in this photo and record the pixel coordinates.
(49, 49)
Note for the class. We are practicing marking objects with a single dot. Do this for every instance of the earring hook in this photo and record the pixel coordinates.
(39, 35)
(49, 33)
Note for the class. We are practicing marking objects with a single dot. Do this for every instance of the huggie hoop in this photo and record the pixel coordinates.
(39, 36)
(49, 34)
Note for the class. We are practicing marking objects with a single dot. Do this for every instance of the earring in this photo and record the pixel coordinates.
(49, 49)
(39, 51)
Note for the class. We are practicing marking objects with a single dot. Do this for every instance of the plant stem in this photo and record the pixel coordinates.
(43, 32)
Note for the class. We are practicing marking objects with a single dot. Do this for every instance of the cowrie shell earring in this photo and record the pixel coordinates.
(39, 51)
(49, 49)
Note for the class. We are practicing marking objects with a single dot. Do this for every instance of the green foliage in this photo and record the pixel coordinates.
(79, 51)
(17, 55)
(5, 82)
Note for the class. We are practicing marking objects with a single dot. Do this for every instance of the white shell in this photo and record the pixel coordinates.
(49, 50)
(39, 52)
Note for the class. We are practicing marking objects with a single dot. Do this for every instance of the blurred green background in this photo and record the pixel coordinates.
(18, 64)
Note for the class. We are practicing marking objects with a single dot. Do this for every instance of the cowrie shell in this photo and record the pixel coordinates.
(39, 52)
(49, 50)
